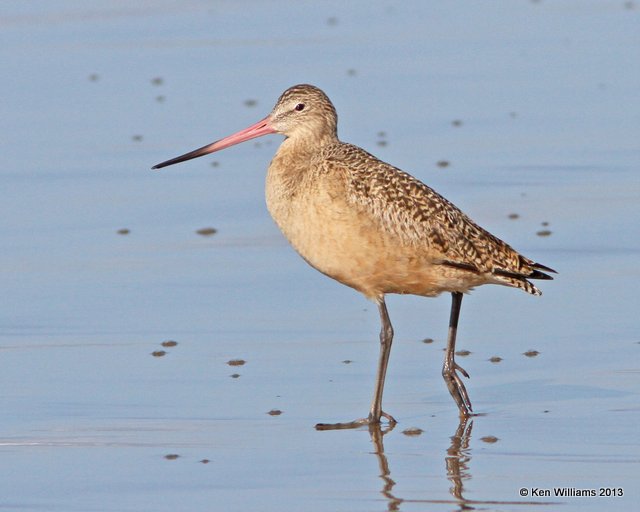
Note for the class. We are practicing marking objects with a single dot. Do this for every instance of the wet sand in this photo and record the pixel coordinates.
(161, 346)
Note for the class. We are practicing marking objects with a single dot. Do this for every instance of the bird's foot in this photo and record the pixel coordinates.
(362, 422)
(457, 389)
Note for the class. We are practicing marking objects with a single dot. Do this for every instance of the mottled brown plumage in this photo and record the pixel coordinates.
(372, 226)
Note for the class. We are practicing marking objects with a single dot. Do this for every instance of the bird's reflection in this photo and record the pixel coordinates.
(457, 459)
(376, 432)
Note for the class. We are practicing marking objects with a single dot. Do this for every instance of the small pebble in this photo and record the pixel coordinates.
(489, 439)
(169, 343)
(171, 456)
(351, 72)
(347, 361)
(275, 412)
(495, 359)
(158, 353)
(94, 77)
(413, 431)
(544, 232)
(382, 142)
(427, 340)
(207, 231)
(234, 375)
(250, 103)
(123, 231)
(157, 80)
(236, 362)
(136, 138)
(456, 122)
(204, 461)
(514, 216)
(463, 353)
(443, 163)
(531, 353)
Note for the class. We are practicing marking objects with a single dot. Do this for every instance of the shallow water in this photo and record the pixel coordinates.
(547, 96)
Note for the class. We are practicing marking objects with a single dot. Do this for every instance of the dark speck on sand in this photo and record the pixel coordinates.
(207, 231)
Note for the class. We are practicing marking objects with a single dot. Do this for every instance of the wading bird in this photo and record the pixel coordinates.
(373, 227)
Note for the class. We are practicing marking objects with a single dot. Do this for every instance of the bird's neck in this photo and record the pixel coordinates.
(306, 139)
(296, 158)
(290, 162)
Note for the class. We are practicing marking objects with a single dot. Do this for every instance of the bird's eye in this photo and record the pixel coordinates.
(299, 107)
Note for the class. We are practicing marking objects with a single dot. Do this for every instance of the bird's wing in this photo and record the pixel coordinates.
(417, 215)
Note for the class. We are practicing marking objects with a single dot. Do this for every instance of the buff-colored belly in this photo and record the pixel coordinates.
(351, 247)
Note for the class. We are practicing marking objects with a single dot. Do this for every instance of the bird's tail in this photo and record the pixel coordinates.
(521, 279)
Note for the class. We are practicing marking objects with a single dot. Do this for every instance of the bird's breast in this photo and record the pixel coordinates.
(345, 242)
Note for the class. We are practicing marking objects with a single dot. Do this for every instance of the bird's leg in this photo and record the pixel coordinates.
(450, 367)
(386, 339)
(376, 412)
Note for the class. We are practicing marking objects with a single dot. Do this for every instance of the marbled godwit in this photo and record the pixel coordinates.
(374, 227)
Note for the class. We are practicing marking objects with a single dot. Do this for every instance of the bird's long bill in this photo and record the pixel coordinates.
(259, 129)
